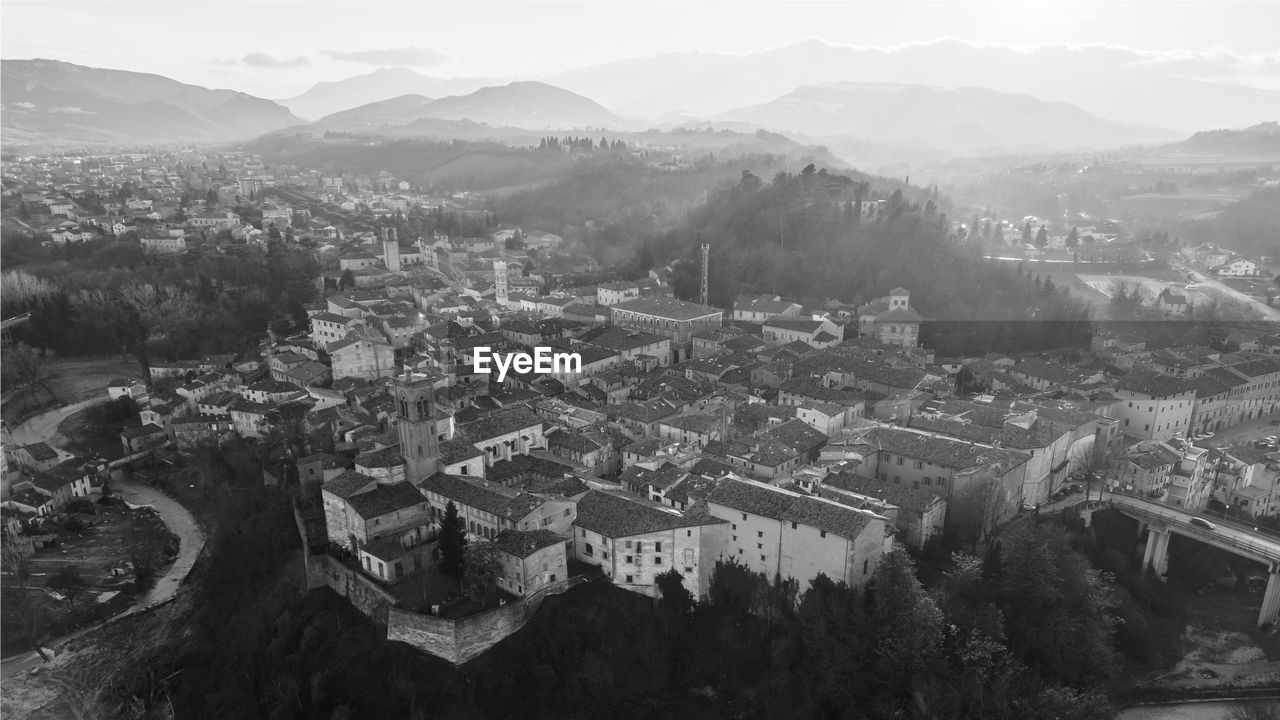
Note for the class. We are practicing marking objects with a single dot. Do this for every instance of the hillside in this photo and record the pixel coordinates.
(962, 120)
(1259, 141)
(56, 103)
(326, 98)
(383, 113)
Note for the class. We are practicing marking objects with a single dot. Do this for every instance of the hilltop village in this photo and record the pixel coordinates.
(793, 440)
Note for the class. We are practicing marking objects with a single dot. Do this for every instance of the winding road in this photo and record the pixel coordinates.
(177, 518)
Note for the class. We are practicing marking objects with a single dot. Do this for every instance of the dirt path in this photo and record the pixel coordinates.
(181, 522)
(44, 427)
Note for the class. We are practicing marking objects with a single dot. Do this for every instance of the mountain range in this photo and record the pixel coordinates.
(53, 102)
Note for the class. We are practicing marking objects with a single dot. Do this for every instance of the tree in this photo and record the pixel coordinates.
(453, 542)
(70, 582)
(348, 280)
(144, 554)
(676, 598)
(25, 368)
(1262, 710)
(1092, 463)
(481, 569)
(16, 563)
(1073, 239)
(1026, 233)
(33, 619)
(975, 509)
(1042, 237)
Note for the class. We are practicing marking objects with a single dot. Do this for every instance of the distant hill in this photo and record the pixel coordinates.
(529, 105)
(383, 113)
(327, 98)
(57, 103)
(967, 120)
(1261, 140)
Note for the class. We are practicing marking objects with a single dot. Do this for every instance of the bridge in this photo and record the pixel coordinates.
(1162, 521)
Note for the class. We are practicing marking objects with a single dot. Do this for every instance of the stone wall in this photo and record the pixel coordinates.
(360, 591)
(460, 640)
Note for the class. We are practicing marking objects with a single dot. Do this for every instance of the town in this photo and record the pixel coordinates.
(446, 494)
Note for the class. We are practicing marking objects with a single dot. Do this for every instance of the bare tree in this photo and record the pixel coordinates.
(1092, 463)
(26, 368)
(33, 620)
(1261, 710)
(17, 564)
(137, 314)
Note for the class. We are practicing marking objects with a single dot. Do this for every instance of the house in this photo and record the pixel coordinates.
(1154, 406)
(786, 534)
(891, 320)
(530, 560)
(62, 482)
(507, 432)
(487, 508)
(773, 452)
(596, 449)
(634, 541)
(328, 327)
(674, 319)
(145, 437)
(815, 333)
(695, 428)
(363, 355)
(39, 457)
(1236, 268)
(758, 308)
(612, 293)
(383, 523)
(630, 345)
(917, 515)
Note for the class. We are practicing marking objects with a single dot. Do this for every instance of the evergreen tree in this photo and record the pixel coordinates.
(1042, 237)
(453, 542)
(1073, 239)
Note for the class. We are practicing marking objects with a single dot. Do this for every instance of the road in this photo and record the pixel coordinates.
(1237, 537)
(44, 427)
(1267, 312)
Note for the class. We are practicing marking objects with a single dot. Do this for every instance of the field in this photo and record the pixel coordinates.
(72, 380)
(99, 548)
(1151, 288)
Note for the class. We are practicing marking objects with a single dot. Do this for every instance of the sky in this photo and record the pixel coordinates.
(279, 49)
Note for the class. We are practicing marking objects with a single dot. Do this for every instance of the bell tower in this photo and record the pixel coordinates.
(415, 422)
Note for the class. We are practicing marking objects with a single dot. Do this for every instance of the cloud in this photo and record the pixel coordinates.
(415, 56)
(265, 60)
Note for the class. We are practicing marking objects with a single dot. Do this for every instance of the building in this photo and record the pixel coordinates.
(530, 560)
(786, 534)
(384, 524)
(416, 424)
(362, 355)
(1236, 268)
(758, 308)
(634, 541)
(674, 319)
(487, 508)
(612, 293)
(891, 319)
(1154, 406)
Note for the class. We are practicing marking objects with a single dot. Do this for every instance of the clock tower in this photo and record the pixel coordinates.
(415, 421)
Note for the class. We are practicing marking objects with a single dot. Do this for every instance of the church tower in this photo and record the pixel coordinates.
(415, 421)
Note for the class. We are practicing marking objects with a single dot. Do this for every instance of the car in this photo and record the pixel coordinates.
(1208, 434)
(1075, 487)
(1028, 506)
(1201, 522)
(1270, 439)
(1191, 286)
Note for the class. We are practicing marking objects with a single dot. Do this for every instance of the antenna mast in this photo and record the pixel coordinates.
(706, 253)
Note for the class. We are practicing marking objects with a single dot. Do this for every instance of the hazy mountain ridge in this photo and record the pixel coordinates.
(529, 105)
(53, 102)
(954, 120)
(329, 97)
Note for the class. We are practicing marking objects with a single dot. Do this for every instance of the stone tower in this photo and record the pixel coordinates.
(415, 421)
(391, 250)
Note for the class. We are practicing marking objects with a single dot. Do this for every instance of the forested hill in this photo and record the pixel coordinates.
(801, 235)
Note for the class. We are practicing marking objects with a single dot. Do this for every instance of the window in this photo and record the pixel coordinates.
(688, 570)
(901, 460)
(604, 554)
(762, 559)
(919, 465)
(589, 550)
(822, 533)
(628, 545)
(927, 481)
(630, 579)
(630, 560)
(657, 559)
(744, 516)
(657, 547)
(688, 533)
(759, 546)
(584, 532)
(865, 565)
(735, 538)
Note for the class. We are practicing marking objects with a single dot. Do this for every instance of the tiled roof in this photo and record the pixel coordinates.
(347, 484)
(500, 423)
(1149, 382)
(523, 543)
(456, 450)
(385, 499)
(615, 516)
(941, 451)
(827, 516)
(900, 495)
(668, 308)
(495, 500)
(384, 458)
